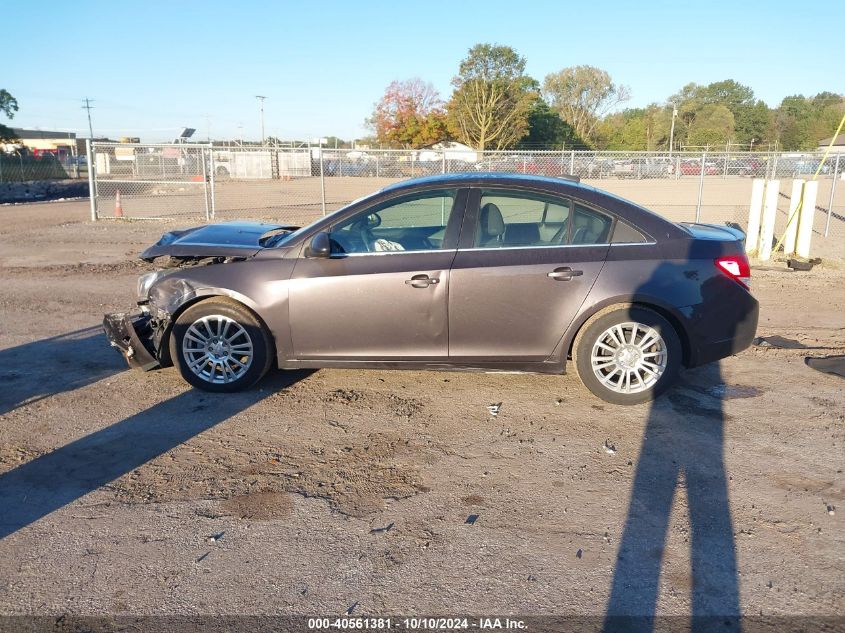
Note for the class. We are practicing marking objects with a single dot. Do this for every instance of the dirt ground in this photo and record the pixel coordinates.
(400, 492)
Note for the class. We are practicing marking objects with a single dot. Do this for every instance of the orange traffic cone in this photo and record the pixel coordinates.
(118, 209)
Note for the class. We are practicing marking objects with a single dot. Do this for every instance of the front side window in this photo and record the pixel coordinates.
(412, 223)
(509, 218)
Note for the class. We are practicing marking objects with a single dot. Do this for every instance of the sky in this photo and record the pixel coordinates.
(153, 67)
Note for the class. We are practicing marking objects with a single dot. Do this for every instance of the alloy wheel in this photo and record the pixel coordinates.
(629, 357)
(217, 349)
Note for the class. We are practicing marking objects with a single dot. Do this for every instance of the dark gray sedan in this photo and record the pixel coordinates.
(489, 272)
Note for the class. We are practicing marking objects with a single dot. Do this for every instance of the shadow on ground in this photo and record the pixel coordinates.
(54, 365)
(49, 482)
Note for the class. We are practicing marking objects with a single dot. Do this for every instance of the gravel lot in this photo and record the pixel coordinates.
(337, 488)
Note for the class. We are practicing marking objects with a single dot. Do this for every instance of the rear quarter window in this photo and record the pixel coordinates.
(624, 233)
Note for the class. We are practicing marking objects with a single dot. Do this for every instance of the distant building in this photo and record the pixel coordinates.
(838, 144)
(40, 142)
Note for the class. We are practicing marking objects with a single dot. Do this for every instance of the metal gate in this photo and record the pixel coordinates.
(150, 181)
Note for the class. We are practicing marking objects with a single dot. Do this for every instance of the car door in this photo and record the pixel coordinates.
(382, 294)
(525, 264)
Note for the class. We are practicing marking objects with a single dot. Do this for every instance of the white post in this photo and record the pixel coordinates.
(752, 234)
(92, 193)
(770, 212)
(805, 222)
(791, 233)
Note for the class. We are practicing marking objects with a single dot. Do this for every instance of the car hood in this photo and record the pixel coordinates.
(216, 240)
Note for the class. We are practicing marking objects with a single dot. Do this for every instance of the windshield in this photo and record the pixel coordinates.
(280, 239)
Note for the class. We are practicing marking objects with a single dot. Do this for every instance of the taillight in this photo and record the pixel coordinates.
(737, 268)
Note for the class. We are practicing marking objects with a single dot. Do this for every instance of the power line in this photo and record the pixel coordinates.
(88, 106)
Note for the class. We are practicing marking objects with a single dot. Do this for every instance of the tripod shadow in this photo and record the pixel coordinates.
(51, 481)
(682, 449)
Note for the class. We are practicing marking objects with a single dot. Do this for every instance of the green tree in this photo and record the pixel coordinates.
(547, 130)
(801, 122)
(8, 106)
(492, 98)
(582, 95)
(713, 125)
(753, 123)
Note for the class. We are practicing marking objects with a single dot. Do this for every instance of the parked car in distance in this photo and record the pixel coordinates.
(693, 168)
(474, 271)
(644, 168)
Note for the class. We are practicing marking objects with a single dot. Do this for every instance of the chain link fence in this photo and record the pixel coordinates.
(21, 166)
(297, 185)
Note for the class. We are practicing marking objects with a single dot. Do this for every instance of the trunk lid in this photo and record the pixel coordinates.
(714, 232)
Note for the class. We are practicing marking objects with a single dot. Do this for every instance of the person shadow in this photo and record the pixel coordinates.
(682, 450)
(38, 487)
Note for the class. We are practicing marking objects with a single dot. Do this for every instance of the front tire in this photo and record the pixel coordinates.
(627, 355)
(220, 345)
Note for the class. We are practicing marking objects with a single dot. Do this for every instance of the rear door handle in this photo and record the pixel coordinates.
(565, 273)
(421, 281)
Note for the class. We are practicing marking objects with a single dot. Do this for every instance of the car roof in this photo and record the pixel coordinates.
(487, 176)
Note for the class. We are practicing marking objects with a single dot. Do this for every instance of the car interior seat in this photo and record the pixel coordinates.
(522, 235)
(491, 226)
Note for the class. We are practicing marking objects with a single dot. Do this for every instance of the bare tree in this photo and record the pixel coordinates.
(581, 95)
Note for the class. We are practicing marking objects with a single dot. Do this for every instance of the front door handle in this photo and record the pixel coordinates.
(421, 281)
(565, 273)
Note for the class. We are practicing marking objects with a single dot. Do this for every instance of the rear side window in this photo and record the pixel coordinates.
(516, 218)
(590, 227)
(624, 233)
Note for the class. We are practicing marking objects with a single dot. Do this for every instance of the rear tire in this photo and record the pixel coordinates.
(220, 345)
(627, 355)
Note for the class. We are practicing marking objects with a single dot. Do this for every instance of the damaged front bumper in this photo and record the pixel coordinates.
(134, 337)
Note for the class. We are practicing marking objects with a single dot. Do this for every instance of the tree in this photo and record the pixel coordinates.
(801, 122)
(8, 106)
(713, 125)
(409, 114)
(546, 130)
(582, 95)
(492, 98)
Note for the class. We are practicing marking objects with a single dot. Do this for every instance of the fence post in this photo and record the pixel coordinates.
(700, 189)
(322, 182)
(443, 162)
(832, 194)
(92, 193)
(212, 168)
(205, 184)
(572, 163)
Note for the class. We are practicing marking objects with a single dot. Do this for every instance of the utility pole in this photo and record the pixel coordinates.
(261, 99)
(88, 107)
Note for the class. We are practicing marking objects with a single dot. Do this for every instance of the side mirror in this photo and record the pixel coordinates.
(320, 246)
